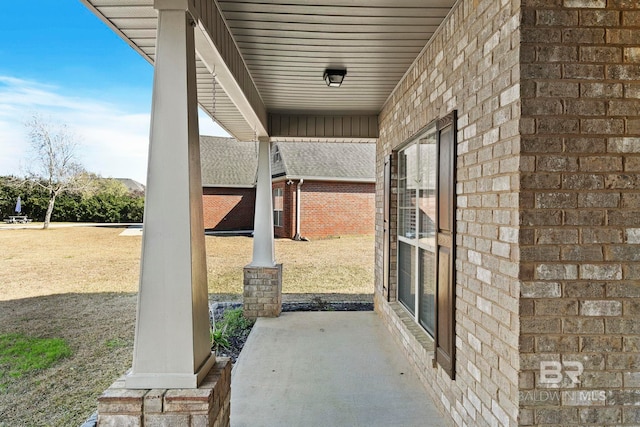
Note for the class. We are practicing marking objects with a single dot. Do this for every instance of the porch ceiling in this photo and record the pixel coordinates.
(285, 46)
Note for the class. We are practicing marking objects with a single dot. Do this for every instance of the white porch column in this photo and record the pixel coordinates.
(263, 241)
(172, 343)
(262, 296)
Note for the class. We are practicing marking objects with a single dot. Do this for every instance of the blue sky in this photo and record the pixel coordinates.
(60, 61)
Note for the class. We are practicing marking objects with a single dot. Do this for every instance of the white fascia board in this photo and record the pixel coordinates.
(323, 139)
(323, 178)
(227, 186)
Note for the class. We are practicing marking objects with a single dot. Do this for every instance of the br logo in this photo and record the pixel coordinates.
(552, 372)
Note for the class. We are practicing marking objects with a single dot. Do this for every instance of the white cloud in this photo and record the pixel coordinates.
(113, 142)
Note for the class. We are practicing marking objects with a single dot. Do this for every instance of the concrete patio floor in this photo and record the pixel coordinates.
(326, 369)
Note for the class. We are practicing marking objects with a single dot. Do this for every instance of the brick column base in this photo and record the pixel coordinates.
(262, 295)
(209, 405)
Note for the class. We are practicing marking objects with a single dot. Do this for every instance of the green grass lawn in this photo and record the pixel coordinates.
(20, 354)
(74, 289)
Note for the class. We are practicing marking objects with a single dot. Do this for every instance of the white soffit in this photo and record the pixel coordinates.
(135, 21)
(287, 45)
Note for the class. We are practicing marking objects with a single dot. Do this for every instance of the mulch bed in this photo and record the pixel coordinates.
(312, 303)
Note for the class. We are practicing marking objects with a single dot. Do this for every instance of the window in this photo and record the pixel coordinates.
(278, 204)
(276, 155)
(426, 234)
(416, 227)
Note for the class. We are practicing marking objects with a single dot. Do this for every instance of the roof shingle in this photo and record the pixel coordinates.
(227, 162)
(331, 160)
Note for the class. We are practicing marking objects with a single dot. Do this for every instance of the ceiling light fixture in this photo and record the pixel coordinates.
(334, 78)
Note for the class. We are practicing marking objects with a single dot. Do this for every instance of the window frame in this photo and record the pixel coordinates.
(444, 335)
(415, 242)
(278, 214)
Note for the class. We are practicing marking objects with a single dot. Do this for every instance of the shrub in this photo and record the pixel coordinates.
(236, 322)
(103, 200)
(232, 326)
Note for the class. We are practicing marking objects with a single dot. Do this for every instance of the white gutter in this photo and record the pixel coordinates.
(227, 186)
(323, 178)
(298, 209)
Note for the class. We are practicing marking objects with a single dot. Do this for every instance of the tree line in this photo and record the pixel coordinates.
(96, 200)
(57, 186)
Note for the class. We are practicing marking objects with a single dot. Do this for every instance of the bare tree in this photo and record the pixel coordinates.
(53, 162)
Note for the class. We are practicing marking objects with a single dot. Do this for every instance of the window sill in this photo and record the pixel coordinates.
(412, 328)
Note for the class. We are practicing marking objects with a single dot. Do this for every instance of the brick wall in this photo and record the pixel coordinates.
(207, 405)
(228, 208)
(336, 208)
(471, 65)
(329, 209)
(580, 196)
(548, 261)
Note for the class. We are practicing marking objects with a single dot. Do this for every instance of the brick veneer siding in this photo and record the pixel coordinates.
(337, 208)
(328, 209)
(471, 65)
(580, 203)
(548, 262)
(228, 208)
(262, 295)
(209, 405)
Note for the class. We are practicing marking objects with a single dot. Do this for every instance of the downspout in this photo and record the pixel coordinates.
(298, 209)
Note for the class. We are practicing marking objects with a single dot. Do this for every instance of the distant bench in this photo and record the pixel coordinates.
(17, 219)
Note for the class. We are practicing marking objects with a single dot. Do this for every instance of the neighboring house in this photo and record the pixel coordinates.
(228, 183)
(132, 185)
(323, 189)
(332, 183)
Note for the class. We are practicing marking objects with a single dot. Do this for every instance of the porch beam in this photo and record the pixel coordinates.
(172, 344)
(217, 49)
